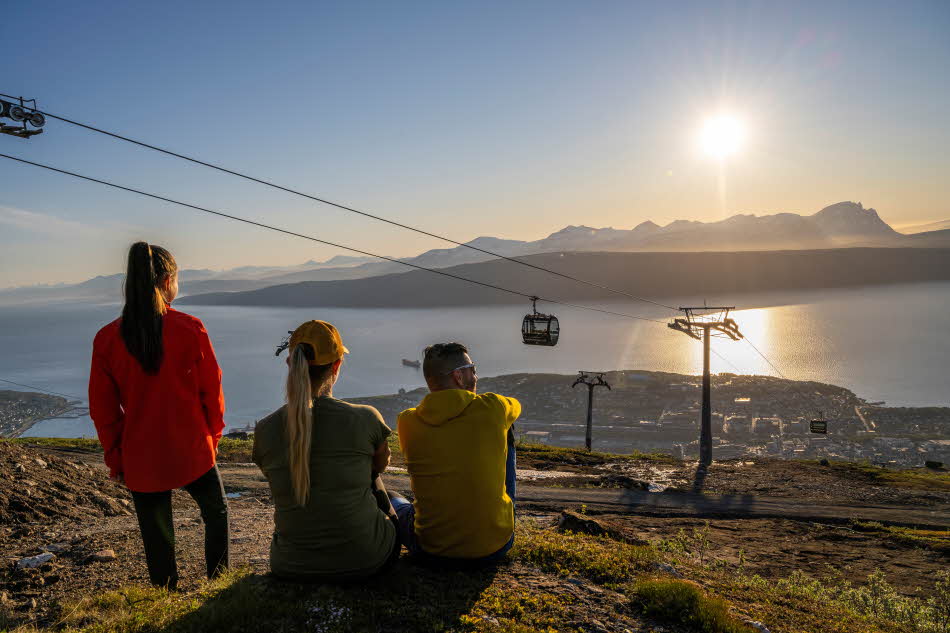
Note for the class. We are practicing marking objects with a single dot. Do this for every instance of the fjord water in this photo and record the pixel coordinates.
(885, 343)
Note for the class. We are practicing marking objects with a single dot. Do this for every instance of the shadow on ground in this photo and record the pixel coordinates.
(410, 598)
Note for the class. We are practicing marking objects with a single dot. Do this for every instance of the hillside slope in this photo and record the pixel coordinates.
(654, 275)
(586, 560)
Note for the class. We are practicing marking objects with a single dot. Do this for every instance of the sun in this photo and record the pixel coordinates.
(722, 136)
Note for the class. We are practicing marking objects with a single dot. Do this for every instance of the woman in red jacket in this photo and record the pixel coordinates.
(155, 397)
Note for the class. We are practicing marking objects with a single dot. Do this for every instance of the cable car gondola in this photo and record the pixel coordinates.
(539, 329)
(819, 425)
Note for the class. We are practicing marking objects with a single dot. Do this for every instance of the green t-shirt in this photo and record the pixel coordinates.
(341, 532)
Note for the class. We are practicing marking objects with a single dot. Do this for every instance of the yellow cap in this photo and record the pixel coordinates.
(323, 338)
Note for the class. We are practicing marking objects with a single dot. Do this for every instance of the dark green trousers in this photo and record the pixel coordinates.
(154, 511)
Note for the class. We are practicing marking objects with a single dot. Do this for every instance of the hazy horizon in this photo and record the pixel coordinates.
(119, 269)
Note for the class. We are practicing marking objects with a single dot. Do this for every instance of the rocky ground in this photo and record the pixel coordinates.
(830, 482)
(59, 505)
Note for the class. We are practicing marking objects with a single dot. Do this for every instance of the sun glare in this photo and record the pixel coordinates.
(722, 136)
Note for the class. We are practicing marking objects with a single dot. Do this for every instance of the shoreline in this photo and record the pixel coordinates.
(55, 415)
(22, 410)
(650, 411)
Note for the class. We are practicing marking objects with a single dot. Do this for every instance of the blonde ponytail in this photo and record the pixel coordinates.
(299, 423)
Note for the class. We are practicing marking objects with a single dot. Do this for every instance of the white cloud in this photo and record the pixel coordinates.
(45, 224)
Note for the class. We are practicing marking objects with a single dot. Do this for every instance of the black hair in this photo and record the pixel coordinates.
(141, 325)
(441, 358)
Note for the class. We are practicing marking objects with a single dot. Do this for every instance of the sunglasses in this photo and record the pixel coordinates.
(470, 365)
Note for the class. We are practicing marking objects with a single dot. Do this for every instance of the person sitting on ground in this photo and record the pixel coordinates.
(460, 453)
(322, 458)
(155, 397)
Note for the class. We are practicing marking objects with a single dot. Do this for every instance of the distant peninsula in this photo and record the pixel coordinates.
(654, 275)
(19, 410)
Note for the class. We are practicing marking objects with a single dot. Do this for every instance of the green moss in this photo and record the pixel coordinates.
(518, 610)
(802, 603)
(598, 558)
(936, 540)
(684, 603)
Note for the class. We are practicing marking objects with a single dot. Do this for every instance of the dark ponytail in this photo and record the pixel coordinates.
(144, 305)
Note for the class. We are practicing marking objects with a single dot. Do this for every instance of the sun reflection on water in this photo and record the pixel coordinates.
(738, 357)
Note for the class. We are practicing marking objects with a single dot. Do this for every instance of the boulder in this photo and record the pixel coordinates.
(667, 569)
(623, 481)
(102, 556)
(579, 523)
(32, 562)
(56, 548)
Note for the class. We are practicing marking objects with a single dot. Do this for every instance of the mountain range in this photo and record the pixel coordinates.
(692, 277)
(841, 225)
(925, 228)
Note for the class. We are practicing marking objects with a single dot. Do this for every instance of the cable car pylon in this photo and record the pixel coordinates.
(591, 380)
(701, 323)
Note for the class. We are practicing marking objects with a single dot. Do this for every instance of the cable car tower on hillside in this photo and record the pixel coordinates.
(701, 323)
(591, 380)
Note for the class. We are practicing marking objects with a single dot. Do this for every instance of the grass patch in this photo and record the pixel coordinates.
(801, 603)
(494, 600)
(915, 479)
(581, 457)
(518, 611)
(228, 450)
(235, 450)
(69, 443)
(936, 540)
(410, 599)
(234, 601)
(909, 478)
(599, 558)
(684, 603)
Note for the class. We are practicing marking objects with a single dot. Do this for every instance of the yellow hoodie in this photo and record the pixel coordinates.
(455, 444)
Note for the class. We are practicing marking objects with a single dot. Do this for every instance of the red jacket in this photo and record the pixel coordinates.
(159, 431)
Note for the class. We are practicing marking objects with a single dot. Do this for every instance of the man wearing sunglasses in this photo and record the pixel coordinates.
(460, 454)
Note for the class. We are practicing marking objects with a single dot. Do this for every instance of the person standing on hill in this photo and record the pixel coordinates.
(155, 397)
(460, 454)
(323, 458)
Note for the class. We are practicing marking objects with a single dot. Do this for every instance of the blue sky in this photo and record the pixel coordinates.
(506, 119)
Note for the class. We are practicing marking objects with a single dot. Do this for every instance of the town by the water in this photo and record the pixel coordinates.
(19, 410)
(659, 412)
(751, 416)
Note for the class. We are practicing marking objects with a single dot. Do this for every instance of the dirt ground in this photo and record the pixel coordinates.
(773, 548)
(70, 506)
(807, 481)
